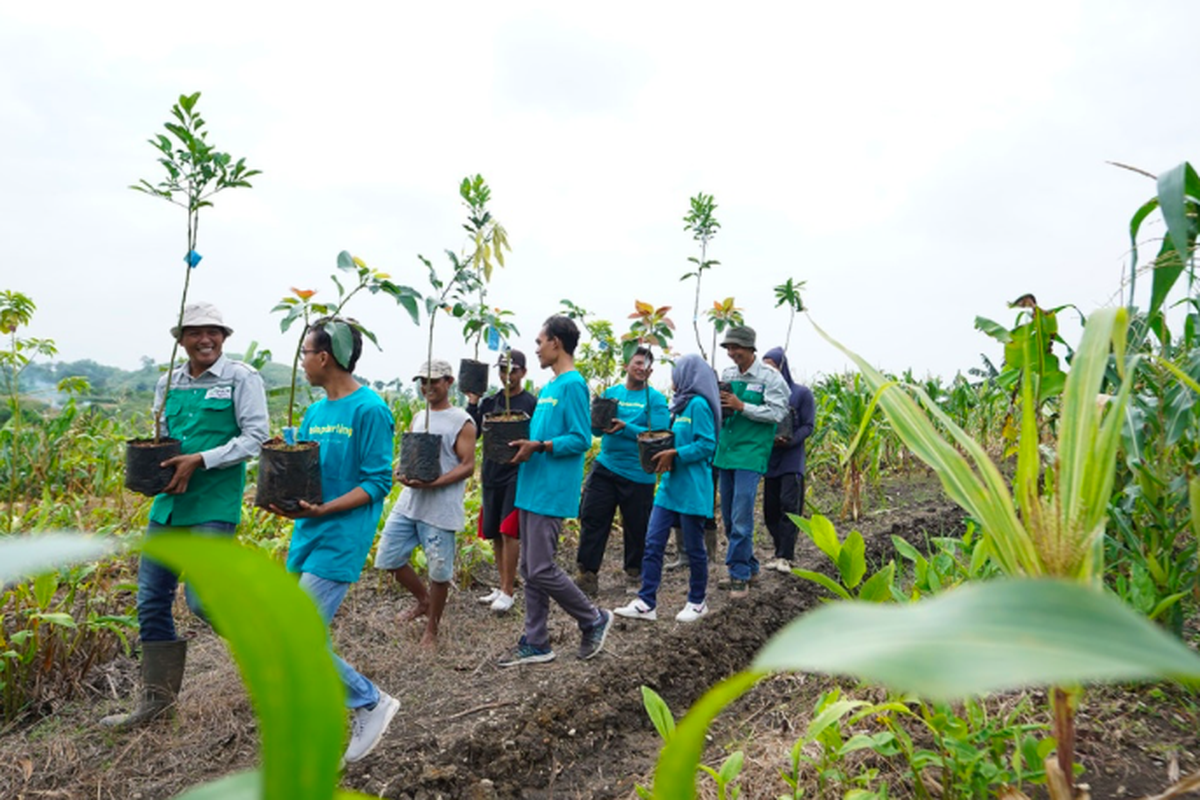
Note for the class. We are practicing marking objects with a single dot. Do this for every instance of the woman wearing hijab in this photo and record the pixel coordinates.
(783, 482)
(685, 490)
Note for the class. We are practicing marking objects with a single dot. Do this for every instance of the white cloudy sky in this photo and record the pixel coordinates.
(916, 163)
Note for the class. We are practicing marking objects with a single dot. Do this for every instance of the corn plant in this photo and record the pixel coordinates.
(724, 777)
(849, 559)
(855, 434)
(1048, 623)
(281, 651)
(703, 226)
(195, 172)
(1178, 200)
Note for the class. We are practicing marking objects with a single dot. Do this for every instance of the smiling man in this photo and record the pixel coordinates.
(756, 399)
(431, 513)
(217, 408)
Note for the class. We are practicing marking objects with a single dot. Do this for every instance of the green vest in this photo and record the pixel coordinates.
(203, 419)
(744, 443)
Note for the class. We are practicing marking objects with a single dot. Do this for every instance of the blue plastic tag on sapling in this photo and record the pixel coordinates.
(289, 436)
(493, 339)
(192, 258)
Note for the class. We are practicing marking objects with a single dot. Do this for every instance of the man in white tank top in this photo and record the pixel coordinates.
(431, 513)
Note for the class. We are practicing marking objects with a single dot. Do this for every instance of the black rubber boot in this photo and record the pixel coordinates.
(162, 675)
(710, 544)
(680, 551)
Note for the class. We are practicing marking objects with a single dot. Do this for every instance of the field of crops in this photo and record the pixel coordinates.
(997, 593)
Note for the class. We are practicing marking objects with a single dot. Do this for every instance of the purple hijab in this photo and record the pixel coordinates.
(777, 356)
(693, 377)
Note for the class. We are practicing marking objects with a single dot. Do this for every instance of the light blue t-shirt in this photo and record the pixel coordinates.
(619, 451)
(688, 487)
(355, 434)
(548, 483)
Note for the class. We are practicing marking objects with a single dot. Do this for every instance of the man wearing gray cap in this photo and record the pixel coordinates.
(430, 514)
(217, 408)
(755, 399)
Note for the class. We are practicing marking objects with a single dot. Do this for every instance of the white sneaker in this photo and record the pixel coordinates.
(367, 727)
(781, 565)
(503, 603)
(637, 610)
(490, 597)
(692, 612)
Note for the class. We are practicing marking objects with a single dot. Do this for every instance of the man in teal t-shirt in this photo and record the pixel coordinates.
(617, 479)
(331, 540)
(548, 481)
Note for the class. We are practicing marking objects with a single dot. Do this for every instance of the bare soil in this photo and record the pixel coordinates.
(567, 729)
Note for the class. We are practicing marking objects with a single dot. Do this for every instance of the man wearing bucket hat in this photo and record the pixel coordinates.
(498, 515)
(755, 399)
(430, 513)
(217, 408)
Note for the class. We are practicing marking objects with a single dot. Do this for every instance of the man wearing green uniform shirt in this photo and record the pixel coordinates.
(217, 408)
(756, 401)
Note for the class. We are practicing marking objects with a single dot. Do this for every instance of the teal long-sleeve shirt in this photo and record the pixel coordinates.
(355, 434)
(548, 483)
(688, 487)
(619, 451)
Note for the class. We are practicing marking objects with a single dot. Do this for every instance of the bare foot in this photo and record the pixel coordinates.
(428, 643)
(413, 612)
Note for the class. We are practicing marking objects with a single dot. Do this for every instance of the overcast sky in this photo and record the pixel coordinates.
(916, 163)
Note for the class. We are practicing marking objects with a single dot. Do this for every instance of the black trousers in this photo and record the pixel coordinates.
(604, 492)
(782, 496)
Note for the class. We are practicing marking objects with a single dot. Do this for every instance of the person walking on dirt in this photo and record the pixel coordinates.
(684, 497)
(756, 398)
(783, 483)
(548, 484)
(217, 408)
(430, 514)
(330, 541)
(498, 515)
(617, 478)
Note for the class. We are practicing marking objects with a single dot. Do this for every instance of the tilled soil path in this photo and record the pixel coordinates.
(467, 728)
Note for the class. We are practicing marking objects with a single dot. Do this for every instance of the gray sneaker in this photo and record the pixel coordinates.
(367, 727)
(592, 640)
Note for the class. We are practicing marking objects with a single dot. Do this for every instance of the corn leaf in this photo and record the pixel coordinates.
(282, 652)
(988, 637)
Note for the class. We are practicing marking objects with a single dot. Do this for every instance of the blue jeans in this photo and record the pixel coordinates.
(739, 487)
(328, 596)
(157, 584)
(657, 533)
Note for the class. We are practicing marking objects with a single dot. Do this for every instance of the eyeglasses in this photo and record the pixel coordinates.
(305, 352)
